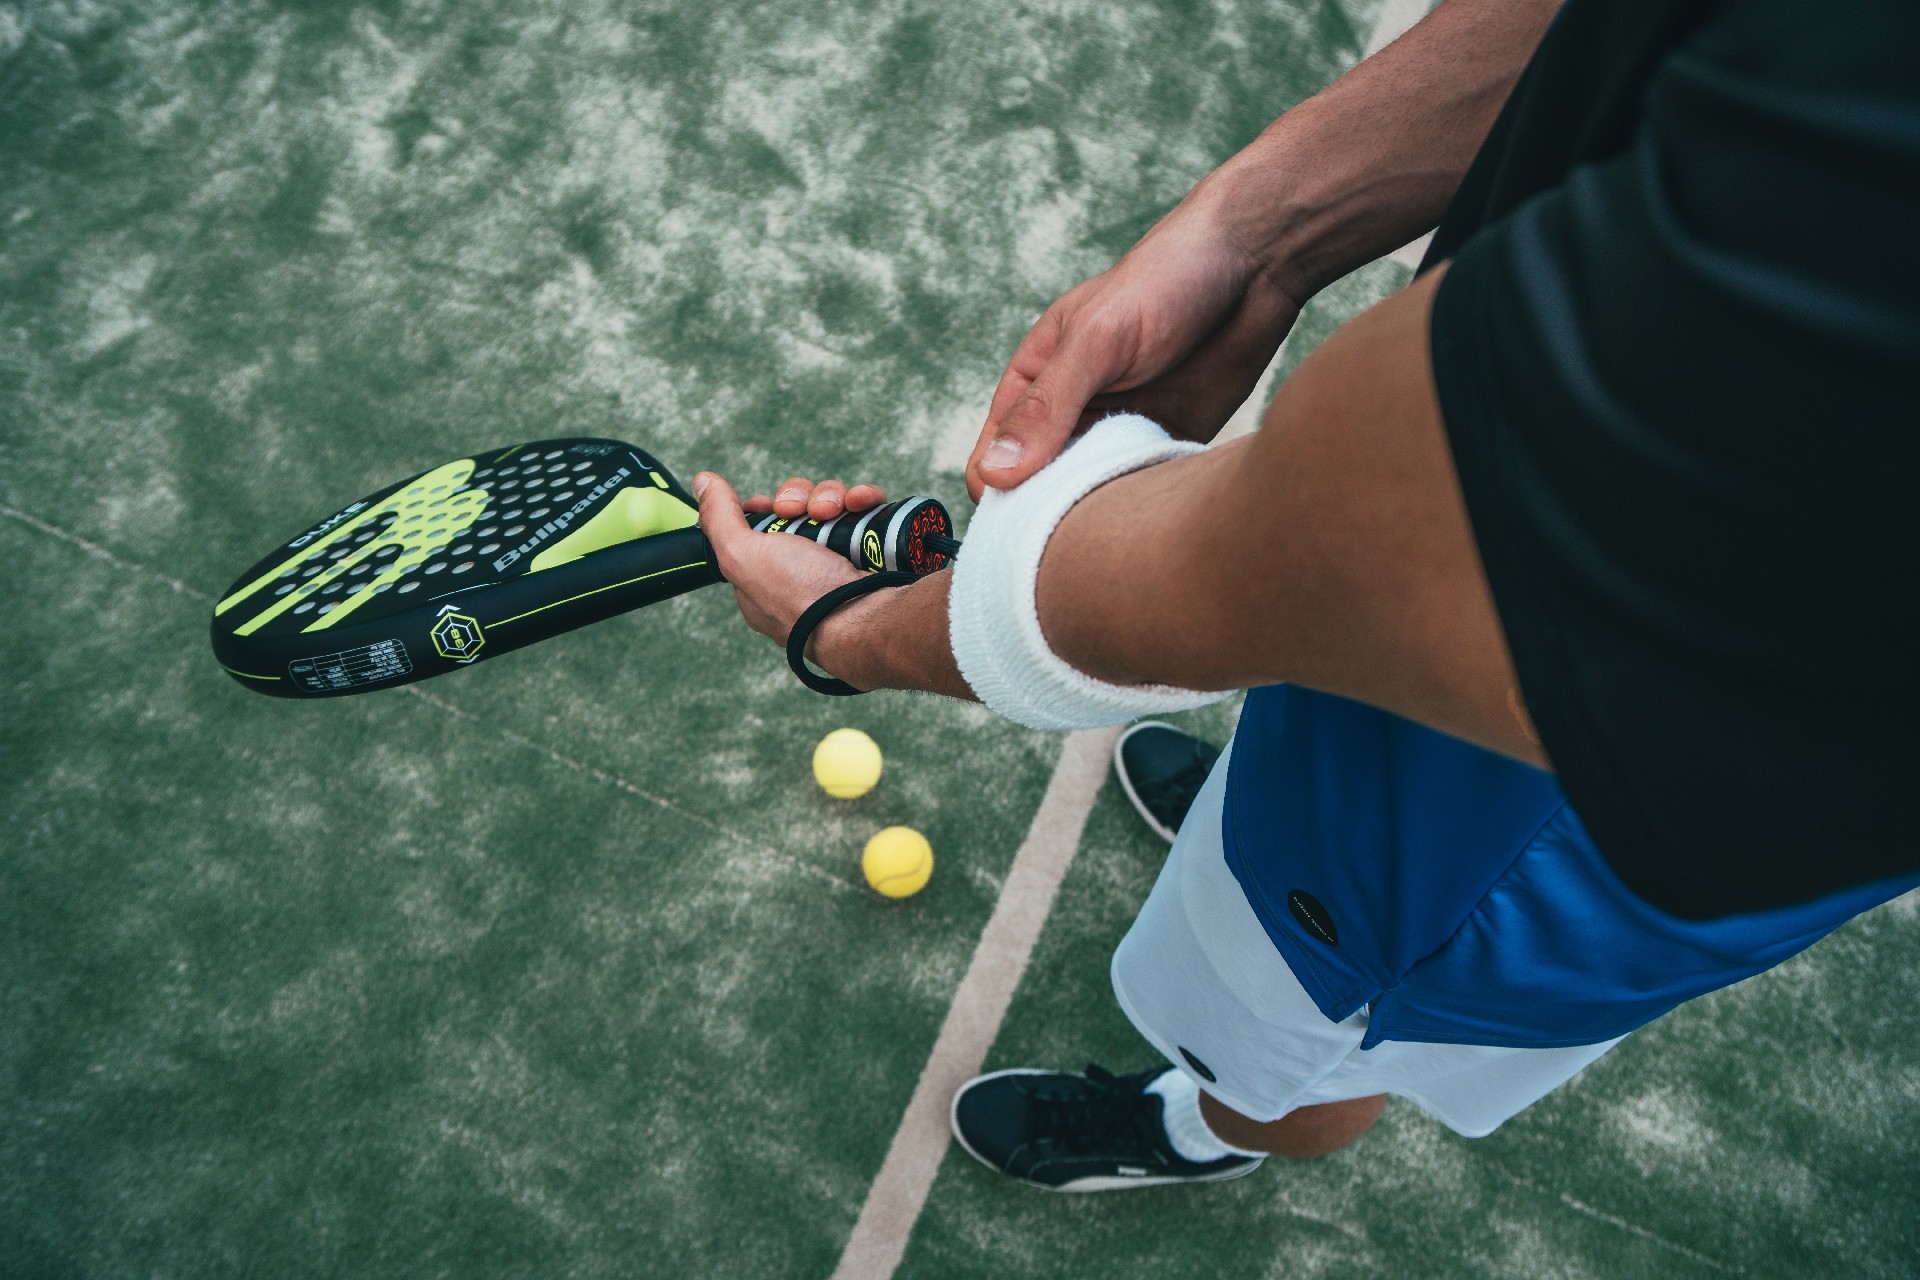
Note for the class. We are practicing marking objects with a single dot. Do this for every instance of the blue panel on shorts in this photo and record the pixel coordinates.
(1456, 890)
(1398, 831)
(1561, 952)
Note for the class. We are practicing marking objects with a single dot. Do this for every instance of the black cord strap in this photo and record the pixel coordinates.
(817, 612)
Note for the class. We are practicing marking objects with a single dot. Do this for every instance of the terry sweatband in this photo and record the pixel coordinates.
(994, 626)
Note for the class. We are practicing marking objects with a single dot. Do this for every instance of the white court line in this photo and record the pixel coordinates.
(900, 1189)
(99, 552)
(1634, 1229)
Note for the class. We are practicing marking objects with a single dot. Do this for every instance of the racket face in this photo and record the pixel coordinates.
(460, 563)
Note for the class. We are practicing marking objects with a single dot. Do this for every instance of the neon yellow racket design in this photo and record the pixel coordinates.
(496, 551)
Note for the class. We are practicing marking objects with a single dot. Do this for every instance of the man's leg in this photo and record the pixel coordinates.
(1162, 770)
(1072, 1132)
(1301, 1134)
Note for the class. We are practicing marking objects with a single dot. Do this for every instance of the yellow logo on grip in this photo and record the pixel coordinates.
(870, 547)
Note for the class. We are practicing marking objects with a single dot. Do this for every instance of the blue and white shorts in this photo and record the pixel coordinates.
(1201, 980)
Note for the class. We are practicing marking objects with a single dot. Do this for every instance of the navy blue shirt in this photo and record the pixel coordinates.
(1678, 356)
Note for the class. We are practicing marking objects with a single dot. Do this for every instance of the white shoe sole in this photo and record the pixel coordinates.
(1079, 1184)
(1158, 827)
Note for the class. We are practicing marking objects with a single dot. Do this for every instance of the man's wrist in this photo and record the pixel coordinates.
(894, 639)
(1257, 202)
(1371, 161)
(1305, 209)
(844, 643)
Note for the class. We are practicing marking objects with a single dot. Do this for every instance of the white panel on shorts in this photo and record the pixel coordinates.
(1197, 973)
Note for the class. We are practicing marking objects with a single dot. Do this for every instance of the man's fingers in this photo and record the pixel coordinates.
(1029, 360)
(1197, 397)
(1073, 354)
(823, 501)
(833, 497)
(1013, 384)
(828, 499)
(790, 498)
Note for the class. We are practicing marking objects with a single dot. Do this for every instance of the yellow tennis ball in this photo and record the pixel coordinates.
(846, 763)
(898, 862)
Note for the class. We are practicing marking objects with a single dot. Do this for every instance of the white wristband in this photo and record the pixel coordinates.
(994, 625)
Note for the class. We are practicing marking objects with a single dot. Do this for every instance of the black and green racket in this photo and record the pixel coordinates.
(493, 552)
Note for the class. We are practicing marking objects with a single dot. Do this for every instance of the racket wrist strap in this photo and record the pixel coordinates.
(817, 612)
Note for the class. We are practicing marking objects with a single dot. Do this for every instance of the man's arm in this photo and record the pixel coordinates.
(1181, 327)
(1330, 550)
(1370, 162)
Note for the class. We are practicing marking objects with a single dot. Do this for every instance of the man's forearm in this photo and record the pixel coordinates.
(1371, 161)
(1331, 550)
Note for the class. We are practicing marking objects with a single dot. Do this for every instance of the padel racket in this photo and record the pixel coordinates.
(493, 552)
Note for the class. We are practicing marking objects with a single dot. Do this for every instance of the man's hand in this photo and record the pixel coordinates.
(774, 576)
(1179, 329)
(1182, 327)
(799, 496)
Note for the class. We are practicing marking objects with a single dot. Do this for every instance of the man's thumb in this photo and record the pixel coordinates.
(721, 518)
(1038, 424)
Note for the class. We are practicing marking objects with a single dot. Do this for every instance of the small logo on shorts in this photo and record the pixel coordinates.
(1206, 1072)
(1312, 916)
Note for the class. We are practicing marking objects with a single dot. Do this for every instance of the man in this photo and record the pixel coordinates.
(1621, 487)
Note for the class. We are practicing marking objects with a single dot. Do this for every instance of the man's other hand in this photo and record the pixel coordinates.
(1179, 329)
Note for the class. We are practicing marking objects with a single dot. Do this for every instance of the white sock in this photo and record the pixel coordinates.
(1186, 1128)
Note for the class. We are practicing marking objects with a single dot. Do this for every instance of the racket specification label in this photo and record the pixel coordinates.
(351, 668)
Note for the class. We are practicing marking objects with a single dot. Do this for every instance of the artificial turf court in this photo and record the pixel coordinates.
(561, 967)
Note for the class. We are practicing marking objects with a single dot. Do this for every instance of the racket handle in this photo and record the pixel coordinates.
(914, 534)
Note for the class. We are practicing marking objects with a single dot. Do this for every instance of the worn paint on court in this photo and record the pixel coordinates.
(569, 971)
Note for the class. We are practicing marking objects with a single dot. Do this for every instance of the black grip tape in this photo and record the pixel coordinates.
(893, 536)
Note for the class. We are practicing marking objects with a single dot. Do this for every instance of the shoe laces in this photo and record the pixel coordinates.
(1095, 1111)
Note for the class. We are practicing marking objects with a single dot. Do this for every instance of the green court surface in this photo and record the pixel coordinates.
(561, 966)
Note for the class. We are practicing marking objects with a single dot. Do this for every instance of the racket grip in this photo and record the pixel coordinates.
(914, 534)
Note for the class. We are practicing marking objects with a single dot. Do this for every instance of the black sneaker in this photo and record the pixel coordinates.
(1162, 769)
(1063, 1132)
